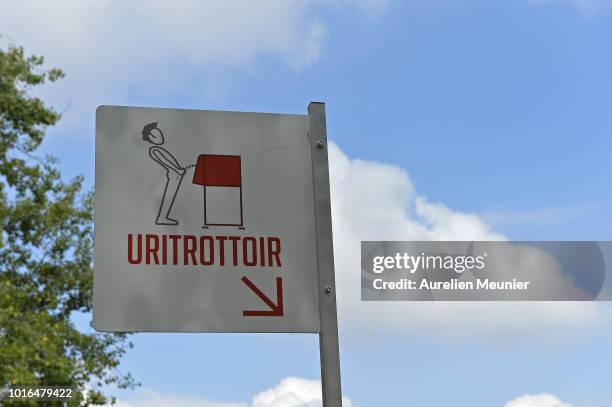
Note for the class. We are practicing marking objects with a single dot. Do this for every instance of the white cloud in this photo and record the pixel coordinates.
(540, 400)
(115, 52)
(293, 392)
(376, 201)
(290, 392)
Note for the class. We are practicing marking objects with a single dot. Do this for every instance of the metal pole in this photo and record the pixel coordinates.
(328, 335)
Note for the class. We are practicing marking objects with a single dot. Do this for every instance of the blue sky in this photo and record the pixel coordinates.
(489, 118)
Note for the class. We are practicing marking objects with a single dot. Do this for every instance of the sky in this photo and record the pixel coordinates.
(456, 120)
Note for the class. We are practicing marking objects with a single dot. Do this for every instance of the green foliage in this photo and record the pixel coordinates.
(46, 246)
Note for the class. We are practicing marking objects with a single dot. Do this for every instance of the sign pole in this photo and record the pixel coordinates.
(328, 336)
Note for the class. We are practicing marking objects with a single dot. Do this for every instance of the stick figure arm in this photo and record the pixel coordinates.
(165, 159)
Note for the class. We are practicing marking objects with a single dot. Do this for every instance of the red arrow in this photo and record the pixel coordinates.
(276, 310)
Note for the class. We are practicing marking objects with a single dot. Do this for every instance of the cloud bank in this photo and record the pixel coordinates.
(377, 201)
(119, 52)
(290, 392)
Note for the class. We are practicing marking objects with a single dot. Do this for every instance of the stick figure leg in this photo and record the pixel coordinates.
(173, 183)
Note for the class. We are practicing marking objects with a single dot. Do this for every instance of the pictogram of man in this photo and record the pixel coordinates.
(174, 172)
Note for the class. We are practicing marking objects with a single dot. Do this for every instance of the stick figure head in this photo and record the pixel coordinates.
(152, 134)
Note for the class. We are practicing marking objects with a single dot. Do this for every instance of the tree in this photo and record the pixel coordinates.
(45, 251)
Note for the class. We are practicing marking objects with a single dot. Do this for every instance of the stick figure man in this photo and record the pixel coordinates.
(174, 172)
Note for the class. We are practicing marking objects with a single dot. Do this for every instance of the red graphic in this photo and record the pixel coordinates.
(276, 310)
(214, 170)
(218, 171)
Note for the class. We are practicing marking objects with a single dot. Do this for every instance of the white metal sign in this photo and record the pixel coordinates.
(205, 222)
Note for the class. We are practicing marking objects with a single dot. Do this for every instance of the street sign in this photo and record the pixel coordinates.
(209, 221)
(204, 222)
